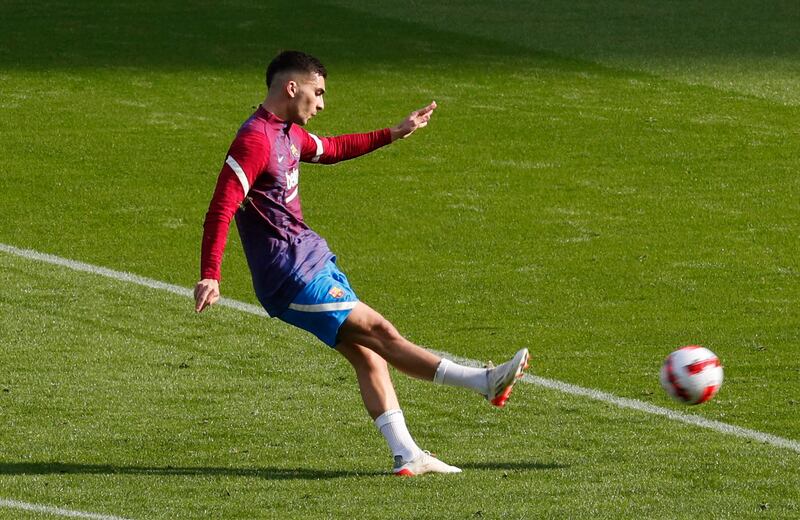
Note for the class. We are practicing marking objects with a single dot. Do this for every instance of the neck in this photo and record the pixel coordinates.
(276, 107)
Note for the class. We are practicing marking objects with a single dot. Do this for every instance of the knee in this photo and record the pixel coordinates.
(367, 327)
(384, 330)
(375, 363)
(366, 360)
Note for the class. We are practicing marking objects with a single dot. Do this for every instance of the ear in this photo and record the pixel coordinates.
(291, 88)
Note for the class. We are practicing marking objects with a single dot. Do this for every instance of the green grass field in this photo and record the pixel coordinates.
(602, 183)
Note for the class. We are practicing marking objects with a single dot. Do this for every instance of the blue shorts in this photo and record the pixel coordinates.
(323, 305)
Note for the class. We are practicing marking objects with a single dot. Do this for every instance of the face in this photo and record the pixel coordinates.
(305, 94)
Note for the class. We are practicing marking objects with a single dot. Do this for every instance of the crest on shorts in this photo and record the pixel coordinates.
(294, 151)
(336, 292)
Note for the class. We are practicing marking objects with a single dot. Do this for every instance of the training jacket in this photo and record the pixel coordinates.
(260, 184)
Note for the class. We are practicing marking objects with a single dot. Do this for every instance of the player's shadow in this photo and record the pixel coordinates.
(267, 473)
(511, 466)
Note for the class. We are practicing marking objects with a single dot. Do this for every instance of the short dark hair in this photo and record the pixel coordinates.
(294, 61)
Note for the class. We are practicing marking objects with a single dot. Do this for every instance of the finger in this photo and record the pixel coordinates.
(428, 109)
(420, 122)
(207, 301)
(200, 298)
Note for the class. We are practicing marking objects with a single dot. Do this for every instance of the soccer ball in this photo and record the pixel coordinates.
(691, 375)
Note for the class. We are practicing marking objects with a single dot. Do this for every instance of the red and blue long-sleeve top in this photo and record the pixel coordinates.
(260, 184)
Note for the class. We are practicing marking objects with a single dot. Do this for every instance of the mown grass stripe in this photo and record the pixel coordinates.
(560, 386)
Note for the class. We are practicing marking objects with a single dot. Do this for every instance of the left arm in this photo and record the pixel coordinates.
(329, 150)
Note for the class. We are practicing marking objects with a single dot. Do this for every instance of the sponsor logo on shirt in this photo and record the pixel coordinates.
(336, 292)
(292, 178)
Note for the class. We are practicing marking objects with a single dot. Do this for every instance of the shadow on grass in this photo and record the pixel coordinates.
(174, 35)
(511, 466)
(266, 473)
(230, 35)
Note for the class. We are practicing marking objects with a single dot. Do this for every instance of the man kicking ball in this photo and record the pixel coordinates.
(295, 276)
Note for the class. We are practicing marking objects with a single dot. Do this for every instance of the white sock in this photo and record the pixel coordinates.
(453, 374)
(392, 425)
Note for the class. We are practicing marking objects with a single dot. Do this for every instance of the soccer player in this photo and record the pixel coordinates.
(294, 273)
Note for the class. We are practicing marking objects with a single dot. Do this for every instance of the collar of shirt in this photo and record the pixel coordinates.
(273, 119)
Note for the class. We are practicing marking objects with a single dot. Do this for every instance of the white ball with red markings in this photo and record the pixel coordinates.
(691, 375)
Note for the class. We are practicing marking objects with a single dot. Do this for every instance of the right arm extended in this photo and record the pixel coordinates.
(246, 159)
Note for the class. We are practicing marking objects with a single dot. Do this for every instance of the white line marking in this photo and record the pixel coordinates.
(624, 402)
(552, 384)
(37, 508)
(125, 277)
